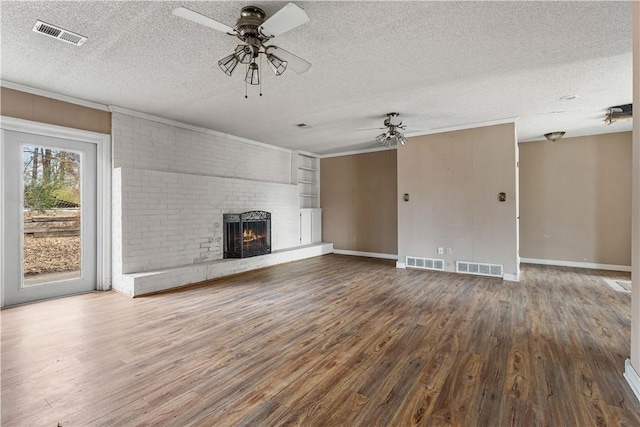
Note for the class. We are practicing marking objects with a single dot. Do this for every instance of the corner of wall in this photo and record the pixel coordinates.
(116, 231)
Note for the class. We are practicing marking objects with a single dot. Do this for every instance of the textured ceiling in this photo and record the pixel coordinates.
(440, 64)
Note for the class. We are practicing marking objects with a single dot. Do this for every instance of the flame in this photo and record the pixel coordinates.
(249, 235)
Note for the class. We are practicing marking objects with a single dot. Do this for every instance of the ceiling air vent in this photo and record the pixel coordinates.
(59, 33)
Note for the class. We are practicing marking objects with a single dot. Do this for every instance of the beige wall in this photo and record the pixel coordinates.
(575, 199)
(633, 370)
(26, 106)
(358, 196)
(453, 180)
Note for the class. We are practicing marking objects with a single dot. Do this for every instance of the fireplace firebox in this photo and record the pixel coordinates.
(247, 234)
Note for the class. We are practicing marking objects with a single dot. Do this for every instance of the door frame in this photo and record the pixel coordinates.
(103, 196)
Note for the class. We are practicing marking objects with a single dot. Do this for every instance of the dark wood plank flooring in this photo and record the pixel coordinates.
(330, 341)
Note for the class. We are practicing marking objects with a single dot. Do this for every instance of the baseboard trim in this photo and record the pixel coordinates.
(613, 284)
(511, 277)
(632, 378)
(365, 254)
(590, 265)
(400, 264)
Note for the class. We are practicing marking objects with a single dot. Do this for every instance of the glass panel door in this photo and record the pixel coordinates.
(49, 217)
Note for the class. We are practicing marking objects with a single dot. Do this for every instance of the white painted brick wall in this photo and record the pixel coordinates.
(172, 185)
(170, 219)
(144, 144)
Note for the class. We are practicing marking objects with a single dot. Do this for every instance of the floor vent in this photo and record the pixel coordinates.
(481, 269)
(59, 33)
(425, 263)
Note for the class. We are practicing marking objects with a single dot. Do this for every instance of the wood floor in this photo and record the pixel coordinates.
(330, 341)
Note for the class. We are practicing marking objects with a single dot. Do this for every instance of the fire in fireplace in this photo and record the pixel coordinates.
(247, 234)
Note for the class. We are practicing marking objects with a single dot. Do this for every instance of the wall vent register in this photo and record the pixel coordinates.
(425, 263)
(478, 268)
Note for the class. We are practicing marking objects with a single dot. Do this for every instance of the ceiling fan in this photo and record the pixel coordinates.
(255, 31)
(392, 123)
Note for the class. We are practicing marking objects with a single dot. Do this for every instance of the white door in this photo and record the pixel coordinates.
(305, 226)
(49, 228)
(316, 225)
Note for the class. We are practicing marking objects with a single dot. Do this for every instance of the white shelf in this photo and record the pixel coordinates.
(305, 171)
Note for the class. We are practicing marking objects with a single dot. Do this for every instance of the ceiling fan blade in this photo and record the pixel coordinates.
(366, 129)
(294, 62)
(287, 18)
(192, 16)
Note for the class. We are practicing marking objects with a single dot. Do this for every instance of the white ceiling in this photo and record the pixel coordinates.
(440, 64)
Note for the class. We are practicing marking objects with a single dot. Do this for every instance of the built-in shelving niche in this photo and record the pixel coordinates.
(306, 173)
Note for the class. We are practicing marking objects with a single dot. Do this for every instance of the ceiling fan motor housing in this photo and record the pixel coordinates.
(393, 119)
(247, 26)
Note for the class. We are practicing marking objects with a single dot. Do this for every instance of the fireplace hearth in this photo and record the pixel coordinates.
(247, 234)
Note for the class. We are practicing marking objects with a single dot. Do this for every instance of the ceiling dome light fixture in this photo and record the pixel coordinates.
(554, 136)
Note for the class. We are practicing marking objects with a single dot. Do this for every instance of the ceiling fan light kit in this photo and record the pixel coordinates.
(255, 31)
(253, 74)
(228, 64)
(244, 53)
(277, 65)
(392, 123)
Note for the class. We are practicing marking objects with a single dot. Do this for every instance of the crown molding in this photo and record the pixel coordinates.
(352, 152)
(463, 127)
(422, 133)
(176, 123)
(308, 153)
(52, 95)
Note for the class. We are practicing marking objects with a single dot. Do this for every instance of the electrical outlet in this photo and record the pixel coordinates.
(449, 251)
(440, 251)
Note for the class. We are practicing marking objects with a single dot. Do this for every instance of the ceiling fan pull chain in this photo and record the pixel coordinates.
(260, 75)
(245, 85)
